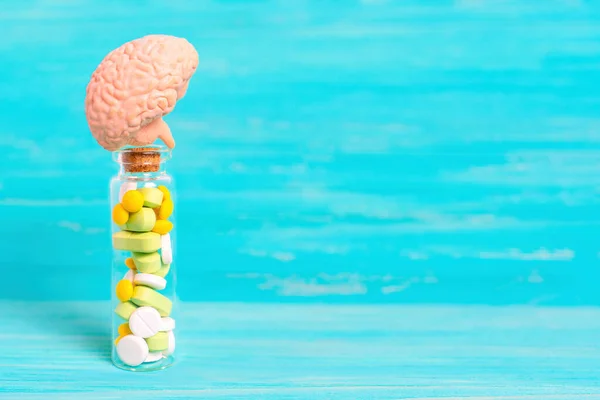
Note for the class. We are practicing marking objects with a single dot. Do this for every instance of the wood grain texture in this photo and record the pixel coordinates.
(358, 151)
(61, 351)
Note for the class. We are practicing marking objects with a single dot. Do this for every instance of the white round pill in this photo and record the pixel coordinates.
(130, 275)
(145, 322)
(166, 250)
(154, 356)
(132, 350)
(168, 324)
(150, 280)
(126, 187)
(171, 347)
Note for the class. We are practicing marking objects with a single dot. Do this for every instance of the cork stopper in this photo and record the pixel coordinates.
(141, 159)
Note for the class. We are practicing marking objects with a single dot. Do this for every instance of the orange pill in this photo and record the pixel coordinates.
(124, 329)
(166, 209)
(162, 227)
(166, 193)
(119, 215)
(133, 201)
(124, 290)
(130, 264)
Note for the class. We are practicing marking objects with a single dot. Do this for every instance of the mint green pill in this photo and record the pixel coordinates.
(125, 309)
(158, 342)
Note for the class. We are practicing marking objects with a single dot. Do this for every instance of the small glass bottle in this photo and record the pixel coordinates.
(143, 269)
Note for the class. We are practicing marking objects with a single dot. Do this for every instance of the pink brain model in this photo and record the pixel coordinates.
(135, 86)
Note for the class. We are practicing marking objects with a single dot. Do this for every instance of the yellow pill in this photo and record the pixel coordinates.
(124, 329)
(124, 290)
(133, 201)
(166, 209)
(162, 227)
(117, 340)
(130, 264)
(119, 215)
(166, 193)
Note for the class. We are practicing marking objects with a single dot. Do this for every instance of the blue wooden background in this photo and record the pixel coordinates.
(350, 151)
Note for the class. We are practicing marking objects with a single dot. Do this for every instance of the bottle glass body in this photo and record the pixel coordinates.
(143, 275)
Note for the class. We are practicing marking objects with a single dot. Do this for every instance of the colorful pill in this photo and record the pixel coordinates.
(170, 344)
(166, 209)
(145, 322)
(162, 227)
(168, 324)
(150, 280)
(132, 350)
(130, 264)
(130, 275)
(124, 290)
(142, 242)
(166, 193)
(124, 329)
(145, 296)
(163, 271)
(147, 262)
(152, 197)
(119, 215)
(133, 201)
(158, 342)
(153, 356)
(142, 221)
(166, 251)
(125, 309)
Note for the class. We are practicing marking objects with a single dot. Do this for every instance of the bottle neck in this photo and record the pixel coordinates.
(142, 163)
(124, 173)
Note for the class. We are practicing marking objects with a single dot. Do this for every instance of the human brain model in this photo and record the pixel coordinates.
(134, 87)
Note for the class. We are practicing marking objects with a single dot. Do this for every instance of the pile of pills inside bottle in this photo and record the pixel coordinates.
(142, 215)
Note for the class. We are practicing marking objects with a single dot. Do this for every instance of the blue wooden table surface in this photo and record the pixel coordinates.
(61, 350)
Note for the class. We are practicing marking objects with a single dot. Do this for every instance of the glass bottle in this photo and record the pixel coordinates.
(143, 264)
